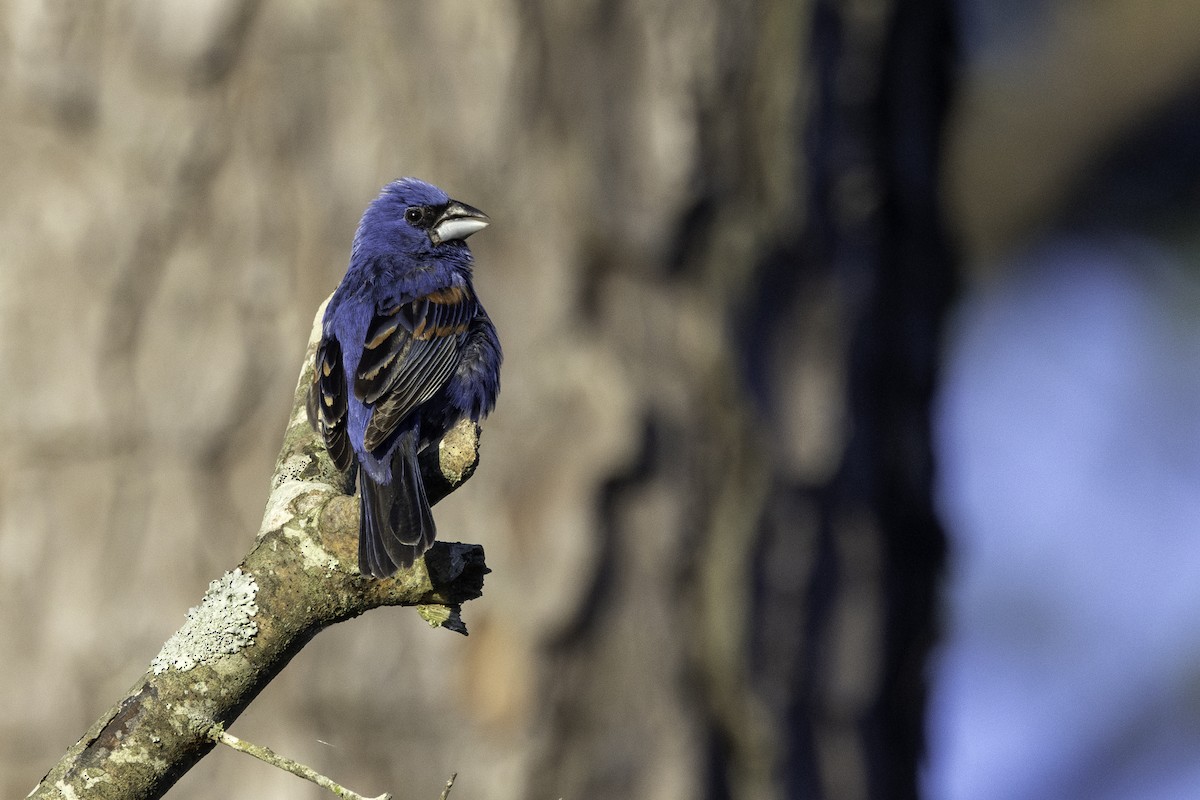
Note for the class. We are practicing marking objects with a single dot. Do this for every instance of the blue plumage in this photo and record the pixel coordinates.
(407, 351)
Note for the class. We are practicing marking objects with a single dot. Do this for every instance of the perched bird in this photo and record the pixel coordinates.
(406, 352)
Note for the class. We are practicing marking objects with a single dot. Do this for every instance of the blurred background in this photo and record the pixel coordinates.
(849, 439)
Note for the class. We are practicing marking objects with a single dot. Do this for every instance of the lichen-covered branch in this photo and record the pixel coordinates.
(300, 577)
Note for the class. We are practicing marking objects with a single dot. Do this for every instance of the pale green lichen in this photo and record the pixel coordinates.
(439, 616)
(222, 624)
(292, 469)
(136, 756)
(292, 508)
(315, 557)
(279, 511)
(67, 791)
(435, 615)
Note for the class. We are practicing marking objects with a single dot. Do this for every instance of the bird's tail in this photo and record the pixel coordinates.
(395, 523)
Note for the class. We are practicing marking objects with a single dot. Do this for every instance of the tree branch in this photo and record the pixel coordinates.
(269, 756)
(300, 577)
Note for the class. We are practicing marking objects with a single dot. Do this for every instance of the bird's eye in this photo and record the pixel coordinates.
(415, 214)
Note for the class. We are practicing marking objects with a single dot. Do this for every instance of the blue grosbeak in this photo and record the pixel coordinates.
(406, 352)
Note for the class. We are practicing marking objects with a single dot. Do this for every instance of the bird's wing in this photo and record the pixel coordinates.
(410, 351)
(327, 402)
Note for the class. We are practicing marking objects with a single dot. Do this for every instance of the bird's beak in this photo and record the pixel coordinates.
(457, 221)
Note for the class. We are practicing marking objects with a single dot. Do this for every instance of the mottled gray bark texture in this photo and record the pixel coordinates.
(300, 577)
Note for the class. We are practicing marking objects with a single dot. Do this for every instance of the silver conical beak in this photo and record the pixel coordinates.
(458, 221)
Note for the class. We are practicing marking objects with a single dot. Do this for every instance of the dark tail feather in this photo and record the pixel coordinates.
(395, 526)
(375, 499)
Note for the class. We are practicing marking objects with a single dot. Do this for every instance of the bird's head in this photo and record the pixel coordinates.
(417, 218)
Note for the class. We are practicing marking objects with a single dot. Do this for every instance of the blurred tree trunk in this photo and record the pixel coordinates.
(763, 597)
(883, 544)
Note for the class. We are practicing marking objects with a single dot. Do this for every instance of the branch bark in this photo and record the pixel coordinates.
(300, 577)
